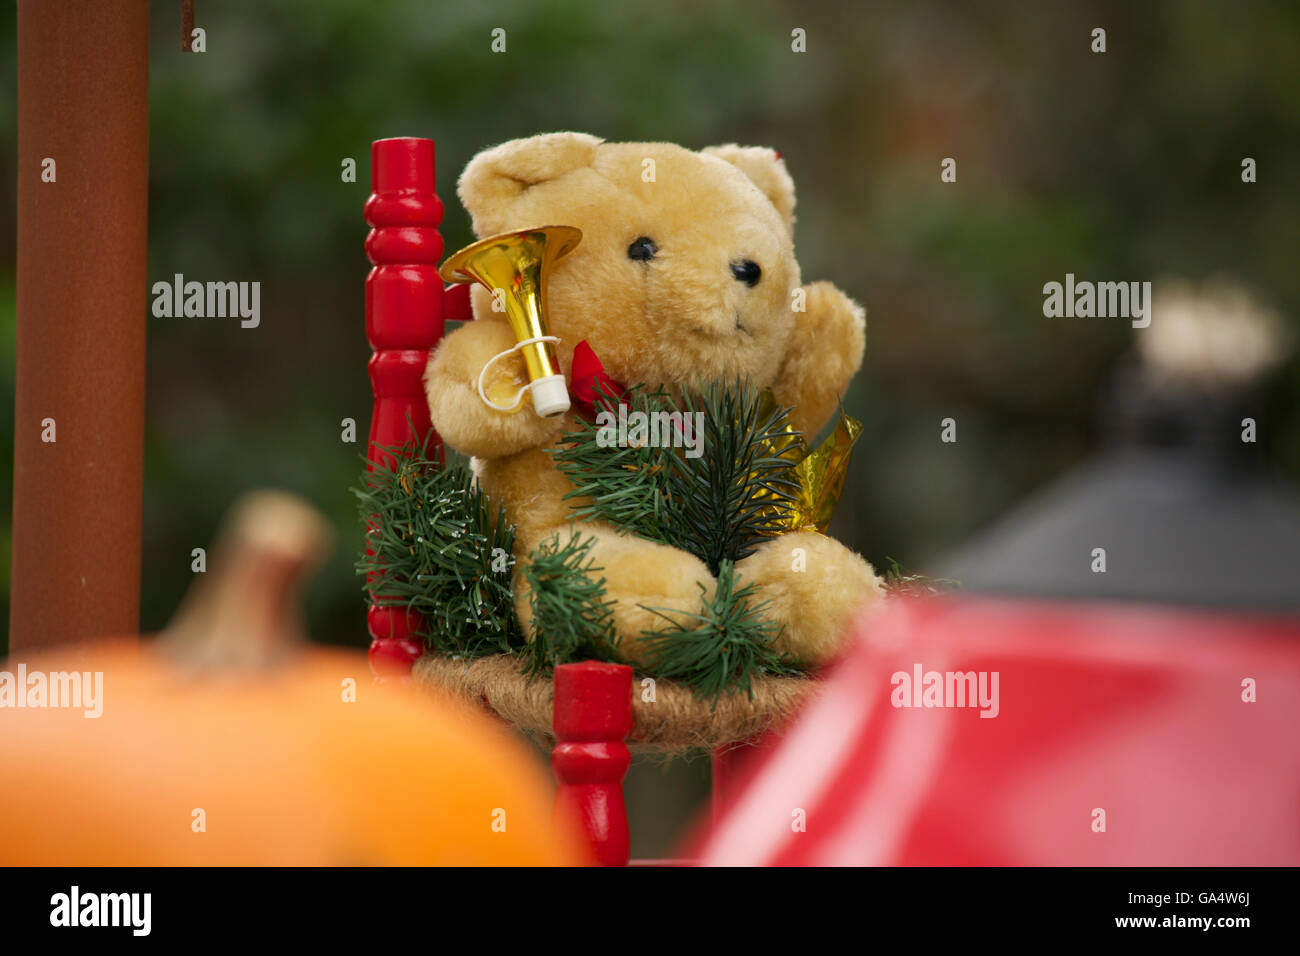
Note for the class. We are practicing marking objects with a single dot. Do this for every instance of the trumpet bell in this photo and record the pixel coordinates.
(514, 267)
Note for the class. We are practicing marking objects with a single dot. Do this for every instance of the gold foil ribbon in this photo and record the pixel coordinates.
(820, 473)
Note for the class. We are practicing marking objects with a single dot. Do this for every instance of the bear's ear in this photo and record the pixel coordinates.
(765, 168)
(496, 177)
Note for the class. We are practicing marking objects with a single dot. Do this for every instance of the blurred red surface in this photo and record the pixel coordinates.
(1133, 710)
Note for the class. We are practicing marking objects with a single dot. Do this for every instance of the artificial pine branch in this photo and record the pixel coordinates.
(626, 486)
(740, 490)
(441, 549)
(572, 621)
(718, 506)
(721, 648)
(438, 547)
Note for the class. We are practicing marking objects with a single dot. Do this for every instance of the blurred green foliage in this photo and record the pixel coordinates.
(1117, 165)
(1122, 165)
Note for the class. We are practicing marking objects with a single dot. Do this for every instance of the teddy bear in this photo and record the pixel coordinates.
(685, 274)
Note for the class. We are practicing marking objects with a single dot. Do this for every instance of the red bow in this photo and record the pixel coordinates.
(588, 383)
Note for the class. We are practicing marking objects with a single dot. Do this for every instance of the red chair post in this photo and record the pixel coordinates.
(592, 716)
(404, 320)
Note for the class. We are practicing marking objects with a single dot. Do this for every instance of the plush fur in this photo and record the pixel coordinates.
(679, 319)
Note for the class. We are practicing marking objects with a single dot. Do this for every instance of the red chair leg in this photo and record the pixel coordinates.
(592, 716)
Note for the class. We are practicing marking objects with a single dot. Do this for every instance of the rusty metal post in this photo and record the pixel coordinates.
(83, 102)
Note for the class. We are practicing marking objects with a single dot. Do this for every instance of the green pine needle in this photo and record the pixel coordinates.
(718, 506)
(628, 487)
(739, 492)
(439, 548)
(720, 649)
(572, 621)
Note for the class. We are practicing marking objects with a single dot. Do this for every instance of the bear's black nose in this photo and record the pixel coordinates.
(747, 271)
(643, 249)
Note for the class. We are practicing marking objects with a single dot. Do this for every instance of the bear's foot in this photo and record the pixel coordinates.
(639, 575)
(814, 587)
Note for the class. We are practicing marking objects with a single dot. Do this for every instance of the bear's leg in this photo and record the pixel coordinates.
(639, 574)
(815, 586)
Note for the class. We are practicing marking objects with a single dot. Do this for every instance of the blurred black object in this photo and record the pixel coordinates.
(1177, 499)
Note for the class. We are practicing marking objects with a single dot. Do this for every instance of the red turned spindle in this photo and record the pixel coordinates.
(592, 716)
(404, 320)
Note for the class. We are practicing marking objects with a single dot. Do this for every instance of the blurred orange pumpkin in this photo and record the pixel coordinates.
(223, 744)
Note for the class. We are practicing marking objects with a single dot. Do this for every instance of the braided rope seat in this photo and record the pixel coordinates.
(674, 721)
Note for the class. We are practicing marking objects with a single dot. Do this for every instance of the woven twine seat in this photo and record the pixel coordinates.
(674, 721)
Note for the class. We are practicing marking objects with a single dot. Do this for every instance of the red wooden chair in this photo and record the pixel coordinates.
(406, 307)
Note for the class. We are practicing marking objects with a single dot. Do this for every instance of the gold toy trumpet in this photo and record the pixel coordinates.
(514, 267)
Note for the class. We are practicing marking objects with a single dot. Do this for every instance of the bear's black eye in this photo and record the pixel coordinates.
(643, 249)
(747, 271)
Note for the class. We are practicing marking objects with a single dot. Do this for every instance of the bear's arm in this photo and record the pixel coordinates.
(825, 352)
(457, 412)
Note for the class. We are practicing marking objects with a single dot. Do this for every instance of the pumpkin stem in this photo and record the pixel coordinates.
(244, 612)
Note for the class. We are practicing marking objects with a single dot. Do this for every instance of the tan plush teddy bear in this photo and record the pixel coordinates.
(685, 274)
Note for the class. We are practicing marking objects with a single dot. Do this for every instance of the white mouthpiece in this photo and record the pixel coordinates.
(550, 396)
